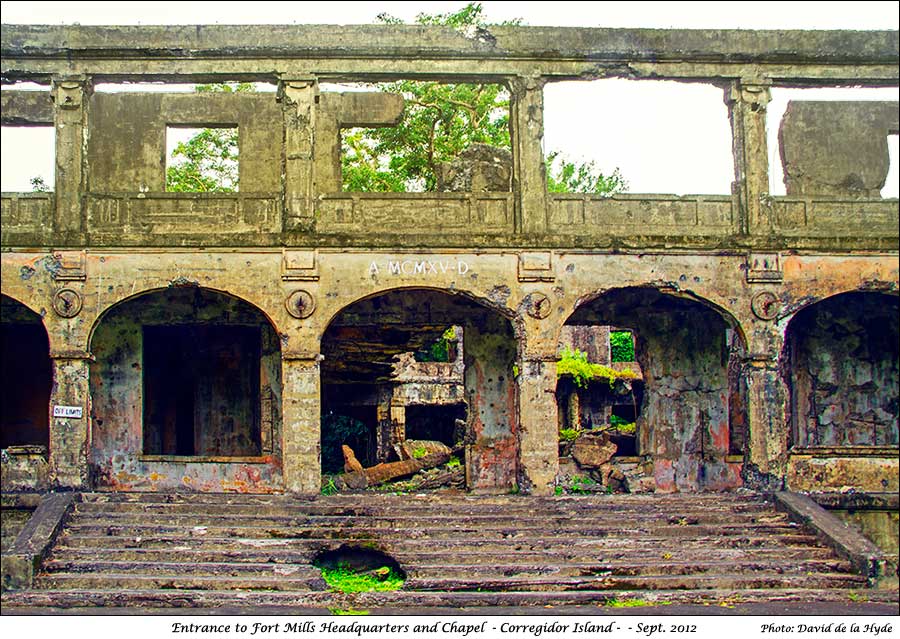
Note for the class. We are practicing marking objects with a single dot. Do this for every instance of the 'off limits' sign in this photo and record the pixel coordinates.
(71, 412)
(419, 267)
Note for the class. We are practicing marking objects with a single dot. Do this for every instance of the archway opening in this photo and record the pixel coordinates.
(27, 378)
(843, 372)
(678, 394)
(186, 375)
(417, 377)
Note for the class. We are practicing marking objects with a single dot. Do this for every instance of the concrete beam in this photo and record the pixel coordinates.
(247, 52)
(26, 108)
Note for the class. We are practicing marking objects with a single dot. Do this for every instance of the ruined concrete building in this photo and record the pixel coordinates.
(160, 341)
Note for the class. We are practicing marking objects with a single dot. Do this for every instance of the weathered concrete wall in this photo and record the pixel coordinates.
(127, 147)
(837, 148)
(129, 446)
(840, 472)
(844, 376)
(492, 457)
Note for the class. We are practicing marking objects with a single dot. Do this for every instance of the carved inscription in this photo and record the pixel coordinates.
(416, 266)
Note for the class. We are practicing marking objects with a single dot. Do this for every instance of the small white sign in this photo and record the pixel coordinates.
(73, 412)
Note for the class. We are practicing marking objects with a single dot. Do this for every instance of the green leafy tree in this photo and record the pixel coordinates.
(621, 346)
(440, 121)
(564, 176)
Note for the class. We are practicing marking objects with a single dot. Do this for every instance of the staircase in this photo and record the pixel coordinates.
(458, 551)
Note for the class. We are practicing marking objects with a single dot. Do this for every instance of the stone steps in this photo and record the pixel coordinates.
(787, 556)
(397, 542)
(186, 598)
(301, 531)
(195, 550)
(159, 517)
(116, 581)
(437, 569)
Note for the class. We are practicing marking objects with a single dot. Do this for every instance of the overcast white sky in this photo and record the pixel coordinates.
(664, 137)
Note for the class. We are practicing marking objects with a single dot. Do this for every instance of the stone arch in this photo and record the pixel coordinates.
(840, 365)
(186, 391)
(27, 378)
(368, 352)
(157, 289)
(687, 391)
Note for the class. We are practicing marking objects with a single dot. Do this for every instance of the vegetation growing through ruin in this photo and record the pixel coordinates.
(565, 176)
(574, 363)
(38, 185)
(577, 485)
(344, 579)
(621, 346)
(440, 120)
(442, 349)
(347, 611)
(623, 426)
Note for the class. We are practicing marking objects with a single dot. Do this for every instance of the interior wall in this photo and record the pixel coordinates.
(843, 371)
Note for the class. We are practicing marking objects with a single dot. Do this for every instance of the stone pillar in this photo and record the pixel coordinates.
(391, 415)
(529, 172)
(747, 101)
(493, 420)
(398, 417)
(766, 459)
(71, 96)
(70, 432)
(538, 434)
(298, 100)
(573, 408)
(301, 432)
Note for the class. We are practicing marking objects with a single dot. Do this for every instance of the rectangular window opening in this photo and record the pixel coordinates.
(442, 138)
(28, 159)
(202, 391)
(202, 159)
(611, 136)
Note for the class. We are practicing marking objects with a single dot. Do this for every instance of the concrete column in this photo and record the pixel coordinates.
(529, 172)
(747, 101)
(301, 433)
(493, 420)
(70, 409)
(298, 98)
(398, 417)
(391, 415)
(766, 460)
(538, 434)
(71, 96)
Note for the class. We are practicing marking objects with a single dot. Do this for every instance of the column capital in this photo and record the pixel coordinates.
(301, 357)
(755, 92)
(71, 354)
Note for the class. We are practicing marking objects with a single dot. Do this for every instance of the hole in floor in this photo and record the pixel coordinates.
(355, 569)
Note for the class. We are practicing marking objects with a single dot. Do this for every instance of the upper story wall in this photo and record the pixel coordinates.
(110, 147)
